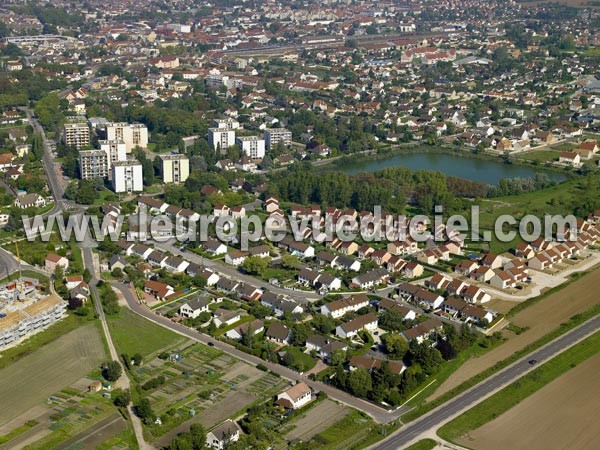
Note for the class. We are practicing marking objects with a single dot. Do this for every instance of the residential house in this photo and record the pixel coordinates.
(236, 257)
(324, 347)
(473, 294)
(491, 260)
(387, 304)
(413, 269)
(370, 279)
(214, 247)
(346, 263)
(222, 435)
(193, 308)
(338, 308)
(295, 397)
(502, 279)
(428, 299)
(367, 322)
(256, 326)
(24, 201)
(369, 364)
(482, 274)
(280, 305)
(157, 289)
(53, 261)
(225, 317)
(278, 333)
(470, 313)
(423, 331)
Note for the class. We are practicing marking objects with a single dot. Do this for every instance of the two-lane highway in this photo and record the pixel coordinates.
(449, 410)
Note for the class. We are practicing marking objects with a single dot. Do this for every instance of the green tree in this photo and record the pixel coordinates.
(255, 265)
(359, 382)
(121, 397)
(290, 262)
(143, 409)
(395, 345)
(112, 371)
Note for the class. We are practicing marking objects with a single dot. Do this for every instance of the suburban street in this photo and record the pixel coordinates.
(407, 434)
(233, 272)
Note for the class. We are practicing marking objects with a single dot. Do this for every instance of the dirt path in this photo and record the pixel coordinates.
(541, 318)
(561, 416)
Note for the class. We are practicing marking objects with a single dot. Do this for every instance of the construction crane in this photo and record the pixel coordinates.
(19, 284)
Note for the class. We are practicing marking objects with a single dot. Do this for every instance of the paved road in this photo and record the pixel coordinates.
(380, 415)
(48, 164)
(446, 412)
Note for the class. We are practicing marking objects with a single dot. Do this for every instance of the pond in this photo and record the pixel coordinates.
(475, 169)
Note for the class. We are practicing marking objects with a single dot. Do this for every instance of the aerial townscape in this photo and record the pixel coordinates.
(299, 224)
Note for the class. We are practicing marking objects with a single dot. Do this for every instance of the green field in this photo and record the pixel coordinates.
(134, 334)
(541, 156)
(425, 444)
(511, 395)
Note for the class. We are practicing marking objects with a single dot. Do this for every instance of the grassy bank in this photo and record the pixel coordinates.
(425, 444)
(511, 395)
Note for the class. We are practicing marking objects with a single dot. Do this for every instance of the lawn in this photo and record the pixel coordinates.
(425, 444)
(511, 395)
(134, 334)
(541, 156)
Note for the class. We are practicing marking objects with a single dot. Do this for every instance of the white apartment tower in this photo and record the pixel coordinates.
(116, 150)
(127, 176)
(274, 136)
(77, 135)
(221, 138)
(175, 168)
(252, 146)
(93, 164)
(134, 135)
(229, 122)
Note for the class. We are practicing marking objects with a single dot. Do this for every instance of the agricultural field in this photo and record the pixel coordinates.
(546, 408)
(58, 412)
(201, 385)
(59, 363)
(560, 415)
(344, 434)
(555, 309)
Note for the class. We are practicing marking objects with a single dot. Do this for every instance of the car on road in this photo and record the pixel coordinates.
(211, 344)
(533, 361)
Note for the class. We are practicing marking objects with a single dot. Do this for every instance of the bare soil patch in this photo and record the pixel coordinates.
(561, 415)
